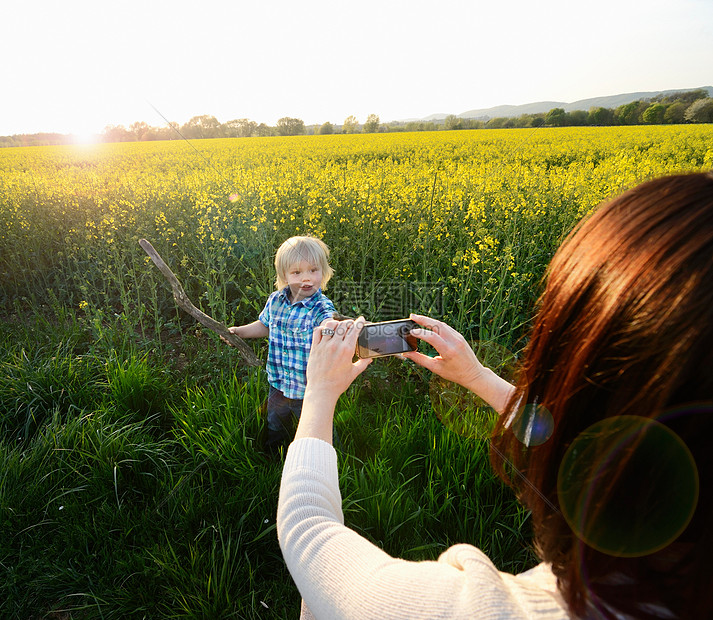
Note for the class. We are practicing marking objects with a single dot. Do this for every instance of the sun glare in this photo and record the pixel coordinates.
(85, 138)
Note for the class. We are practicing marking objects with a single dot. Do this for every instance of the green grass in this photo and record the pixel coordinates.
(130, 488)
(131, 483)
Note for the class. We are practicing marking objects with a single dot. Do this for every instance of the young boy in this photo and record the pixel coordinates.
(288, 320)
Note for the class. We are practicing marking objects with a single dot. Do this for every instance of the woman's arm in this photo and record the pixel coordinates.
(457, 362)
(330, 371)
(341, 575)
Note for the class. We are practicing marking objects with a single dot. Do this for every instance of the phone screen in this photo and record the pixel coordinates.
(387, 338)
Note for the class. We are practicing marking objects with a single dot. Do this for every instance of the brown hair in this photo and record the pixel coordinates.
(624, 328)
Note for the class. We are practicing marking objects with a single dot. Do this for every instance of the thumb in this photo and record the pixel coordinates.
(361, 364)
(421, 359)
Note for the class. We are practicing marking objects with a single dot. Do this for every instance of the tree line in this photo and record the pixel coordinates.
(693, 106)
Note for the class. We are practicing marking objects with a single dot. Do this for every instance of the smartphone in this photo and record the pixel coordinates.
(387, 338)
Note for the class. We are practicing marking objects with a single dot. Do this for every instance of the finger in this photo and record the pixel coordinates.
(429, 363)
(428, 322)
(434, 338)
(342, 329)
(328, 329)
(316, 336)
(437, 327)
(423, 334)
(352, 329)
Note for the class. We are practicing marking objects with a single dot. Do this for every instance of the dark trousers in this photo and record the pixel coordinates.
(282, 416)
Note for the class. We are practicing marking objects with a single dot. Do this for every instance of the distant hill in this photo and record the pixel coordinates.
(611, 101)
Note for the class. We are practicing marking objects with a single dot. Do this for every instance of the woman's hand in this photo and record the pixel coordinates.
(330, 371)
(330, 368)
(456, 361)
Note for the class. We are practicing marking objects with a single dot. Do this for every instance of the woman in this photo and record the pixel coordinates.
(620, 359)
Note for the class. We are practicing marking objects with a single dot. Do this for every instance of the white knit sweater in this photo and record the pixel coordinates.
(340, 574)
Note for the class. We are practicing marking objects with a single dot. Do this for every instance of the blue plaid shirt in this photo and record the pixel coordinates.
(290, 338)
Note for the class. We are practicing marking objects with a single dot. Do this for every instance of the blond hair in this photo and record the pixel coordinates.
(296, 249)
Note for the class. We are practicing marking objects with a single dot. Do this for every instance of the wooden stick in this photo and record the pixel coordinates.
(182, 300)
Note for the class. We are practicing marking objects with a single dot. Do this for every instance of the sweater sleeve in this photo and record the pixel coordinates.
(340, 574)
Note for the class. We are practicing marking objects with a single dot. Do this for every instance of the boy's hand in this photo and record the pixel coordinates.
(252, 330)
(233, 330)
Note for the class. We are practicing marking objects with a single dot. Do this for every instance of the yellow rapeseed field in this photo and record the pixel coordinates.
(471, 215)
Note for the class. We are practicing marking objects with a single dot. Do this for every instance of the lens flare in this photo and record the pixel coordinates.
(628, 486)
(459, 409)
(533, 425)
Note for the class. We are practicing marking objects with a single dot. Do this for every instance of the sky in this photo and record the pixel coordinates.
(77, 66)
